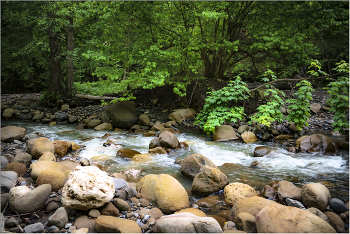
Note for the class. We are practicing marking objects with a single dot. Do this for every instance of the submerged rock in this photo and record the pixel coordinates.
(316, 143)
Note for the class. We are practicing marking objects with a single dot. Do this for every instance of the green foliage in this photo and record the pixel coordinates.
(300, 108)
(270, 112)
(268, 76)
(218, 106)
(339, 98)
(315, 67)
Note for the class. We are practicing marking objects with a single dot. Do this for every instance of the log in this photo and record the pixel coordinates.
(280, 86)
(95, 97)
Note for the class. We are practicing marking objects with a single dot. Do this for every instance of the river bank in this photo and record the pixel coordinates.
(239, 165)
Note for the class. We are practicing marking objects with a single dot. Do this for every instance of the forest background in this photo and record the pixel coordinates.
(114, 48)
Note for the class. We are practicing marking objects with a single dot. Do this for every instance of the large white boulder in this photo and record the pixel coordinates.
(87, 187)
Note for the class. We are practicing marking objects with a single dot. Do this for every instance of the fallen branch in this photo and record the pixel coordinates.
(95, 97)
(309, 78)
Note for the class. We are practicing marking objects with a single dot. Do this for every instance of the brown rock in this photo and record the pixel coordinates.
(268, 192)
(53, 177)
(315, 107)
(246, 222)
(261, 151)
(19, 168)
(336, 222)
(315, 195)
(23, 158)
(192, 164)
(141, 158)
(144, 120)
(287, 189)
(85, 222)
(48, 156)
(277, 218)
(213, 204)
(249, 137)
(112, 224)
(193, 211)
(238, 191)
(224, 133)
(182, 114)
(284, 137)
(208, 181)
(42, 145)
(317, 143)
(252, 205)
(168, 140)
(154, 143)
(11, 133)
(164, 192)
(127, 153)
(157, 150)
(158, 126)
(61, 147)
(40, 166)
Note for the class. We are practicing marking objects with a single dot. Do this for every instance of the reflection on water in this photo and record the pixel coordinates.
(234, 158)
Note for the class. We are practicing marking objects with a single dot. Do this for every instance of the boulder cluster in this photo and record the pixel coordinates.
(44, 190)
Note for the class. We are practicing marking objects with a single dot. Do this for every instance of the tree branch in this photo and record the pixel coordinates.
(310, 78)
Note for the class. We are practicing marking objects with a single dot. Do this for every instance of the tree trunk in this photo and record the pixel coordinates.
(70, 63)
(56, 69)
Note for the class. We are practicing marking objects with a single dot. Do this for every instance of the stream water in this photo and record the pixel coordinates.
(233, 158)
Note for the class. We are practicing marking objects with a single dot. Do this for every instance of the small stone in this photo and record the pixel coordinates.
(94, 213)
(72, 228)
(53, 229)
(12, 222)
(338, 205)
(34, 228)
(145, 227)
(295, 203)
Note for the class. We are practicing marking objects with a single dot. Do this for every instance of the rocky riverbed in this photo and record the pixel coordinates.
(71, 194)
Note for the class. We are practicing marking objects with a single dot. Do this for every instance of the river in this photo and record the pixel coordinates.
(233, 158)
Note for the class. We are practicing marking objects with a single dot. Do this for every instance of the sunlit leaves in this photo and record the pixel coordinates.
(339, 98)
(218, 106)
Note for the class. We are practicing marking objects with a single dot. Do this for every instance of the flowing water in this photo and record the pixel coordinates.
(233, 158)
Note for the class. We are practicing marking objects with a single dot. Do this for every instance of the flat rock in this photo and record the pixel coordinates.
(287, 189)
(110, 224)
(11, 133)
(34, 228)
(8, 180)
(224, 133)
(277, 218)
(85, 222)
(186, 223)
(182, 114)
(40, 166)
(29, 200)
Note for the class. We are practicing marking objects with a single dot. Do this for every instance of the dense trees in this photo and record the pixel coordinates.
(121, 46)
